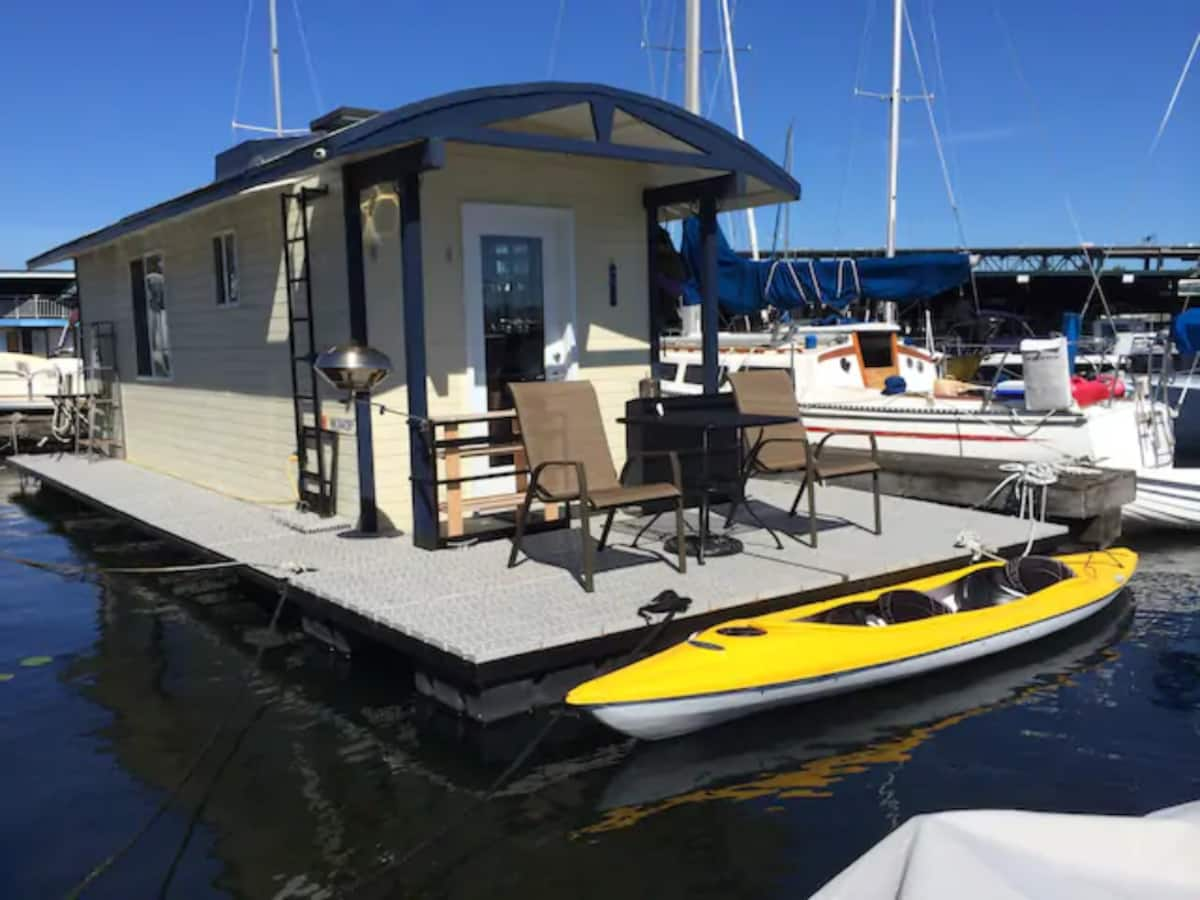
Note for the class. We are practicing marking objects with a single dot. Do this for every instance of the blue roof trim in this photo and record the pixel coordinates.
(465, 116)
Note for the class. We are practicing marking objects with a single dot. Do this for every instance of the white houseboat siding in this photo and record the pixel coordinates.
(224, 418)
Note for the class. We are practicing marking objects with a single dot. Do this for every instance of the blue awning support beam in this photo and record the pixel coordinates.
(420, 436)
(709, 320)
(707, 192)
(717, 188)
(652, 286)
(404, 166)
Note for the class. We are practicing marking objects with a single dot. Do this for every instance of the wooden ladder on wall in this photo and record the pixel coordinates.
(316, 446)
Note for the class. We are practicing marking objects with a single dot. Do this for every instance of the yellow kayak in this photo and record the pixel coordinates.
(747, 665)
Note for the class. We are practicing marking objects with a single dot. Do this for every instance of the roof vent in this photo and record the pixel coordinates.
(342, 117)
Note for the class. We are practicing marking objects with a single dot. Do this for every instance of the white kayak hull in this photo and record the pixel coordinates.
(659, 719)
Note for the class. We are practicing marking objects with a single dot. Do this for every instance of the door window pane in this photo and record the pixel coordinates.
(514, 321)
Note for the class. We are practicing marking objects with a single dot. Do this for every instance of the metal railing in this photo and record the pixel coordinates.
(35, 307)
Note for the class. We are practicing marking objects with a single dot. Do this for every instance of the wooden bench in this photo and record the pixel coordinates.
(452, 447)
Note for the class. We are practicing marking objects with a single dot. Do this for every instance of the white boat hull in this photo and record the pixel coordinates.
(659, 719)
(1128, 433)
(1166, 498)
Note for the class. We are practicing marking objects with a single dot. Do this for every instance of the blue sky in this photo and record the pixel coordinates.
(125, 102)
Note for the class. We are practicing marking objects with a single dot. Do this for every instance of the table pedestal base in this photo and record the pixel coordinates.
(714, 545)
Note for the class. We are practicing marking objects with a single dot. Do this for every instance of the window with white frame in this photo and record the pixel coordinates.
(225, 267)
(148, 283)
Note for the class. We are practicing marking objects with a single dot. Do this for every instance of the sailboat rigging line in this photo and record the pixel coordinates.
(942, 87)
(941, 153)
(720, 76)
(666, 82)
(646, 6)
(852, 142)
(558, 24)
(1162, 127)
(736, 95)
(241, 72)
(1039, 121)
(308, 63)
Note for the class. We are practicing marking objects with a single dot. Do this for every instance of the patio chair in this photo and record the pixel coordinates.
(569, 460)
(777, 449)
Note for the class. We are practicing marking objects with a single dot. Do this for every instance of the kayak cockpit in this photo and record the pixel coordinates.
(980, 589)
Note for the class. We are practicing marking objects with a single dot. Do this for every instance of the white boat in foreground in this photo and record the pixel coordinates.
(1013, 854)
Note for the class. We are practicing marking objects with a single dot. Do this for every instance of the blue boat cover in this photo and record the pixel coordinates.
(1187, 331)
(746, 285)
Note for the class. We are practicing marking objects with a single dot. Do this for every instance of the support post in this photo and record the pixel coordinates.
(424, 505)
(709, 320)
(356, 293)
(368, 514)
(655, 319)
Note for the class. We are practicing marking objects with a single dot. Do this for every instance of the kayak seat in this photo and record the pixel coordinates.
(979, 590)
(850, 614)
(903, 605)
(1031, 574)
(1015, 579)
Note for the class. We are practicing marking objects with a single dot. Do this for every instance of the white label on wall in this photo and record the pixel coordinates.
(340, 424)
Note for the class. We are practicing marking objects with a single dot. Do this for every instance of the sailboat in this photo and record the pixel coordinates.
(868, 378)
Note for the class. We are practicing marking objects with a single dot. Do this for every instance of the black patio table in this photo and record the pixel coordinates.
(707, 421)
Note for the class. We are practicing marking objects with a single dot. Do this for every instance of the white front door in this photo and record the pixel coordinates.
(519, 300)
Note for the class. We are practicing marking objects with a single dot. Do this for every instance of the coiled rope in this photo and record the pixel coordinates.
(1030, 482)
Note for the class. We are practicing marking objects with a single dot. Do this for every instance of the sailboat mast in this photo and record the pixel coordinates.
(691, 58)
(894, 132)
(275, 70)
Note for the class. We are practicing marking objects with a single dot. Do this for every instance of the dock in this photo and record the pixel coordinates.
(490, 641)
(1086, 499)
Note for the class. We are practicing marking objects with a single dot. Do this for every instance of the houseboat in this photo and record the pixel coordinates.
(486, 236)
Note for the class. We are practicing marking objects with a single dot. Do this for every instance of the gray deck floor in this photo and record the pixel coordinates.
(466, 602)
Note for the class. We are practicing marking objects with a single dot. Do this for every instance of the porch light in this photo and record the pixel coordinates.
(354, 368)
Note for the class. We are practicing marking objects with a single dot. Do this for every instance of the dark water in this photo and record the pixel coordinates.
(343, 769)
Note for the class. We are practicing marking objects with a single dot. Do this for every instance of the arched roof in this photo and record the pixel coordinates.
(576, 119)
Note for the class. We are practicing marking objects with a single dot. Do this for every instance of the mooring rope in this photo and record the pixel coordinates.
(109, 861)
(1031, 482)
(668, 604)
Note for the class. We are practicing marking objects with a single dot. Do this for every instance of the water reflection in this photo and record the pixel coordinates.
(345, 769)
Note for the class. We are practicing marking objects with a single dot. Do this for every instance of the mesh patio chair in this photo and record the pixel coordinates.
(569, 460)
(778, 449)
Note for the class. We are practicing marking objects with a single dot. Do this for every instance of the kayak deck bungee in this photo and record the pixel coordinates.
(746, 665)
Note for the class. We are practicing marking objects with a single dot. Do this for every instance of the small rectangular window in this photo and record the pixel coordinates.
(225, 268)
(148, 284)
